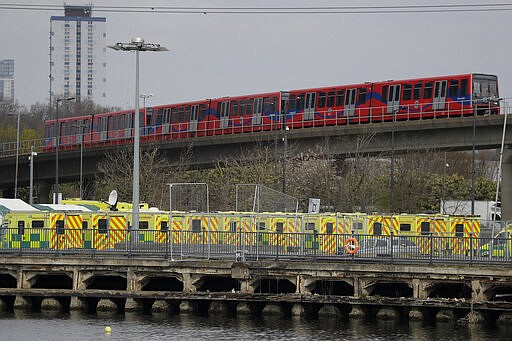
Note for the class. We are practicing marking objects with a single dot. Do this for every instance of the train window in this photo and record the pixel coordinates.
(417, 91)
(241, 107)
(425, 227)
(59, 226)
(427, 90)
(279, 227)
(377, 228)
(362, 96)
(202, 110)
(275, 103)
(407, 92)
(158, 116)
(405, 227)
(459, 230)
(329, 228)
(37, 224)
(330, 99)
(454, 88)
(248, 109)
(340, 98)
(186, 116)
(166, 115)
(267, 105)
(143, 225)
(196, 225)
(384, 93)
(321, 100)
(463, 88)
(174, 115)
(234, 108)
(194, 114)
(181, 114)
(163, 226)
(102, 226)
(300, 102)
(351, 97)
(21, 226)
(292, 102)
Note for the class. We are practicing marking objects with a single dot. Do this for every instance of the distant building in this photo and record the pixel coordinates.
(7, 80)
(78, 54)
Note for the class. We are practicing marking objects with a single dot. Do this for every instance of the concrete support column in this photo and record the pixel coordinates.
(132, 282)
(188, 285)
(418, 290)
(477, 293)
(246, 287)
(43, 192)
(132, 305)
(506, 184)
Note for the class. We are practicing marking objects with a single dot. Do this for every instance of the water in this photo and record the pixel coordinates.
(76, 326)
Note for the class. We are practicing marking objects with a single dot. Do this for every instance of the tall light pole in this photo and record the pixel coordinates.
(57, 138)
(137, 45)
(31, 158)
(17, 153)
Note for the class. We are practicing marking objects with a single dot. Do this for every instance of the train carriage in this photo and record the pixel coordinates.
(412, 99)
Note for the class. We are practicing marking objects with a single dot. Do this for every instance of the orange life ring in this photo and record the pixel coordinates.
(351, 245)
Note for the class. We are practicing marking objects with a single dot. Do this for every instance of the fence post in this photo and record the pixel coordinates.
(471, 248)
(430, 238)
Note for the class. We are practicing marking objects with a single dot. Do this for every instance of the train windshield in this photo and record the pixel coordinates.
(485, 86)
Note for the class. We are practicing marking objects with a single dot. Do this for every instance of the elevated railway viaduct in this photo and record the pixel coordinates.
(454, 134)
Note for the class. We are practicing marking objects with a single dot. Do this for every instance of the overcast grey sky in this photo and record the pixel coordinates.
(215, 55)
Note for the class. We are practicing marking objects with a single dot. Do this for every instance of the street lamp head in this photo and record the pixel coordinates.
(65, 99)
(138, 41)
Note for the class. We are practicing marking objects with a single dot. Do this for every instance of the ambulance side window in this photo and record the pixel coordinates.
(102, 226)
(59, 226)
(21, 226)
(196, 225)
(37, 224)
(143, 225)
(377, 228)
(310, 226)
(163, 226)
(405, 227)
(459, 230)
(329, 228)
(357, 225)
(232, 226)
(279, 227)
(85, 224)
(425, 228)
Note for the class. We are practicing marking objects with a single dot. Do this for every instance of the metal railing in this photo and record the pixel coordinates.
(253, 246)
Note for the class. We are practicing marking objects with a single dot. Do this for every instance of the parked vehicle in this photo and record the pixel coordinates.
(388, 247)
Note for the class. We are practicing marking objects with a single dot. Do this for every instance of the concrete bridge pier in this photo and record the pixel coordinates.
(43, 192)
(506, 184)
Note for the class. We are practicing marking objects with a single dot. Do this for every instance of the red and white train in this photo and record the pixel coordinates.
(411, 99)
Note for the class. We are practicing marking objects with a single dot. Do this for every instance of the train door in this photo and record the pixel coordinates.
(102, 128)
(350, 102)
(393, 98)
(439, 95)
(224, 115)
(165, 121)
(309, 106)
(258, 107)
(193, 118)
